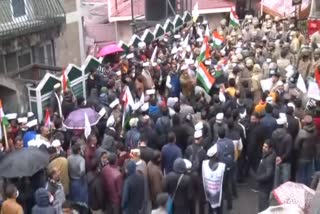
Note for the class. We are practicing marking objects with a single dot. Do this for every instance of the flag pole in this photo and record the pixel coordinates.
(5, 136)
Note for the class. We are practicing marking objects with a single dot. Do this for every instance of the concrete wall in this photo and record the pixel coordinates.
(214, 19)
(14, 95)
(70, 44)
(124, 31)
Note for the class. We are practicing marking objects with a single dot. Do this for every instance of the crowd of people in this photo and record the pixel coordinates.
(166, 143)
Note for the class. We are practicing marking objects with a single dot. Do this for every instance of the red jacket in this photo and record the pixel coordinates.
(316, 121)
(112, 180)
(317, 76)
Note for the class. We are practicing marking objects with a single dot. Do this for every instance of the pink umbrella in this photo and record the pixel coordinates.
(109, 49)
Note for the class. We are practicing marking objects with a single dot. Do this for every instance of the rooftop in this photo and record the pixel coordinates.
(28, 16)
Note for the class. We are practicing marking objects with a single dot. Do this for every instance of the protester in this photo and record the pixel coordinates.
(134, 183)
(265, 175)
(203, 89)
(43, 203)
(10, 205)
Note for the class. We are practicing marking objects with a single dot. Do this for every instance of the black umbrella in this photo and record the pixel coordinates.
(23, 163)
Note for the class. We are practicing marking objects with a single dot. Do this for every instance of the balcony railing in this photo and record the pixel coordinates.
(20, 17)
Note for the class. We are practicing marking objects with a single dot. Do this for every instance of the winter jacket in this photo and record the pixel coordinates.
(132, 138)
(146, 153)
(152, 136)
(163, 126)
(56, 190)
(169, 154)
(43, 205)
(282, 144)
(108, 141)
(265, 172)
(89, 156)
(183, 195)
(155, 178)
(96, 195)
(269, 123)
(293, 126)
(67, 105)
(133, 197)
(305, 143)
(195, 153)
(181, 136)
(112, 180)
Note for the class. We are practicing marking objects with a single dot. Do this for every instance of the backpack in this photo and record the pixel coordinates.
(226, 153)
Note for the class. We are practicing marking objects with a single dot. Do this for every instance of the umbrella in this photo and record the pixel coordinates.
(76, 119)
(109, 49)
(283, 209)
(294, 193)
(23, 163)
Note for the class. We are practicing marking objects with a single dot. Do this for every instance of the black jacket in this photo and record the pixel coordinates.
(265, 172)
(305, 144)
(146, 153)
(282, 144)
(184, 194)
(95, 191)
(134, 187)
(293, 126)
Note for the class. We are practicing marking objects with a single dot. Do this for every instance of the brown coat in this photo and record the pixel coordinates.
(155, 178)
(61, 163)
(11, 206)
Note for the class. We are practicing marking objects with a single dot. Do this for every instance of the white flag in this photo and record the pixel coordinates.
(154, 54)
(195, 12)
(87, 126)
(301, 85)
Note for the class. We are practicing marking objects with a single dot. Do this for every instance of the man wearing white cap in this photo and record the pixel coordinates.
(283, 144)
(196, 154)
(226, 154)
(219, 123)
(213, 173)
(133, 135)
(31, 134)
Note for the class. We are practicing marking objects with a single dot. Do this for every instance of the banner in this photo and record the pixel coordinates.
(212, 183)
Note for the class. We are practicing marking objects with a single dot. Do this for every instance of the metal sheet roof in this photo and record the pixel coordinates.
(20, 17)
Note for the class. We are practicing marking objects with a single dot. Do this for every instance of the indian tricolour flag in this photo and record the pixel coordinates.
(65, 80)
(202, 55)
(234, 19)
(3, 120)
(217, 39)
(205, 77)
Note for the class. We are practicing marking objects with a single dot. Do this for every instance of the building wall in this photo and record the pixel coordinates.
(70, 44)
(214, 19)
(124, 31)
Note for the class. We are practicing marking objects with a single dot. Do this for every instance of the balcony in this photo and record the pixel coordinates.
(21, 17)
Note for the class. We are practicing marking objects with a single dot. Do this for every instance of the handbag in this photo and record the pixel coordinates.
(170, 199)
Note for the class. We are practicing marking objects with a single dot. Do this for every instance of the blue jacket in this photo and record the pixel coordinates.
(270, 124)
(29, 135)
(169, 154)
(175, 83)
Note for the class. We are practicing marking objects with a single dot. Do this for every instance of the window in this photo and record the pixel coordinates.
(19, 9)
(40, 55)
(11, 62)
(24, 59)
(49, 54)
(2, 64)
